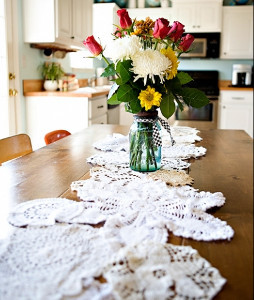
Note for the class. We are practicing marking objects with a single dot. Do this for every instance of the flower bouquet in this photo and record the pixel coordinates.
(144, 60)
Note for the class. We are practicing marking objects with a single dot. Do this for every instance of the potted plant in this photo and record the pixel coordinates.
(51, 72)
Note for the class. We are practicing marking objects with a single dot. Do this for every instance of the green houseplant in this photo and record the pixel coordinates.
(51, 72)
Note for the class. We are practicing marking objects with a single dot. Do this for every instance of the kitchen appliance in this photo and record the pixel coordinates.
(205, 117)
(241, 75)
(205, 45)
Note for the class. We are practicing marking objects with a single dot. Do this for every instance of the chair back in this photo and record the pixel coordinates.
(14, 146)
(55, 135)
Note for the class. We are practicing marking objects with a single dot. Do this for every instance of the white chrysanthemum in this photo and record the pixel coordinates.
(149, 63)
(123, 48)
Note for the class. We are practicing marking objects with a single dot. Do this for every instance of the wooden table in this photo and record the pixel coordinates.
(227, 168)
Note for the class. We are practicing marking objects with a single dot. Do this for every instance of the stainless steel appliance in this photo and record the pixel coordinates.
(205, 117)
(241, 75)
(206, 45)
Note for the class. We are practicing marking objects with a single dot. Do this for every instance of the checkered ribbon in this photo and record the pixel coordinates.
(156, 135)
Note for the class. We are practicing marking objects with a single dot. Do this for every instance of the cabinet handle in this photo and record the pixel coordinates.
(100, 106)
(223, 106)
(198, 26)
(237, 98)
(73, 37)
(194, 26)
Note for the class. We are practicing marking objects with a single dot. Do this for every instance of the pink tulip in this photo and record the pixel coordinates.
(161, 28)
(186, 42)
(125, 20)
(176, 31)
(93, 46)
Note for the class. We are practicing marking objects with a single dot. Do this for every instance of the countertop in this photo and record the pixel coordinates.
(89, 92)
(225, 85)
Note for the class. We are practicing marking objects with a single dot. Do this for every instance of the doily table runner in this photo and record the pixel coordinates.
(59, 256)
(62, 262)
(135, 200)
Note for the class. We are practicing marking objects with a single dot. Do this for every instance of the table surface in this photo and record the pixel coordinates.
(227, 167)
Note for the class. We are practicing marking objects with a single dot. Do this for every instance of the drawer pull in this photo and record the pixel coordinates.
(100, 106)
(237, 98)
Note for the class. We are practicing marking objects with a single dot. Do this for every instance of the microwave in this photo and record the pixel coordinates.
(205, 45)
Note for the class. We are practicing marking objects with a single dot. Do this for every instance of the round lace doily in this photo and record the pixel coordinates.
(45, 211)
(50, 262)
(156, 271)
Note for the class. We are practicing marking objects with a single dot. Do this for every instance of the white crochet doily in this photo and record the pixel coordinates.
(63, 262)
(45, 211)
(155, 271)
(50, 262)
(122, 159)
(143, 202)
(118, 142)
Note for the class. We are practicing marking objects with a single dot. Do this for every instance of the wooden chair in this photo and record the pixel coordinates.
(14, 146)
(55, 135)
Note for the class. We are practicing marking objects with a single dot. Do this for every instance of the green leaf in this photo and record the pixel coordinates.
(113, 100)
(184, 77)
(125, 93)
(109, 71)
(122, 68)
(194, 97)
(173, 85)
(180, 105)
(167, 106)
(134, 106)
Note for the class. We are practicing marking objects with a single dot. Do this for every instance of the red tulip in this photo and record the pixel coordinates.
(176, 31)
(161, 28)
(186, 42)
(93, 46)
(125, 20)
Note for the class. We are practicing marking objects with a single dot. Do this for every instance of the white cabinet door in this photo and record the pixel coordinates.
(66, 22)
(81, 20)
(236, 111)
(234, 117)
(185, 14)
(237, 33)
(38, 21)
(198, 16)
(64, 19)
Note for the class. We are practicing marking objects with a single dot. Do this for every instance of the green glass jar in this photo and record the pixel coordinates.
(145, 155)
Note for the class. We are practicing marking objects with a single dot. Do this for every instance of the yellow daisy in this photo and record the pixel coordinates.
(170, 54)
(149, 97)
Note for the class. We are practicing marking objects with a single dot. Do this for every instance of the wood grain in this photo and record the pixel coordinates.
(227, 167)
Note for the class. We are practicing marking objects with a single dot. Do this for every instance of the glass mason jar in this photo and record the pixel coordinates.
(145, 155)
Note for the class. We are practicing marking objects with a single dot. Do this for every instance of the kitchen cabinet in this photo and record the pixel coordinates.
(236, 110)
(66, 22)
(153, 13)
(46, 113)
(198, 15)
(237, 32)
(102, 30)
